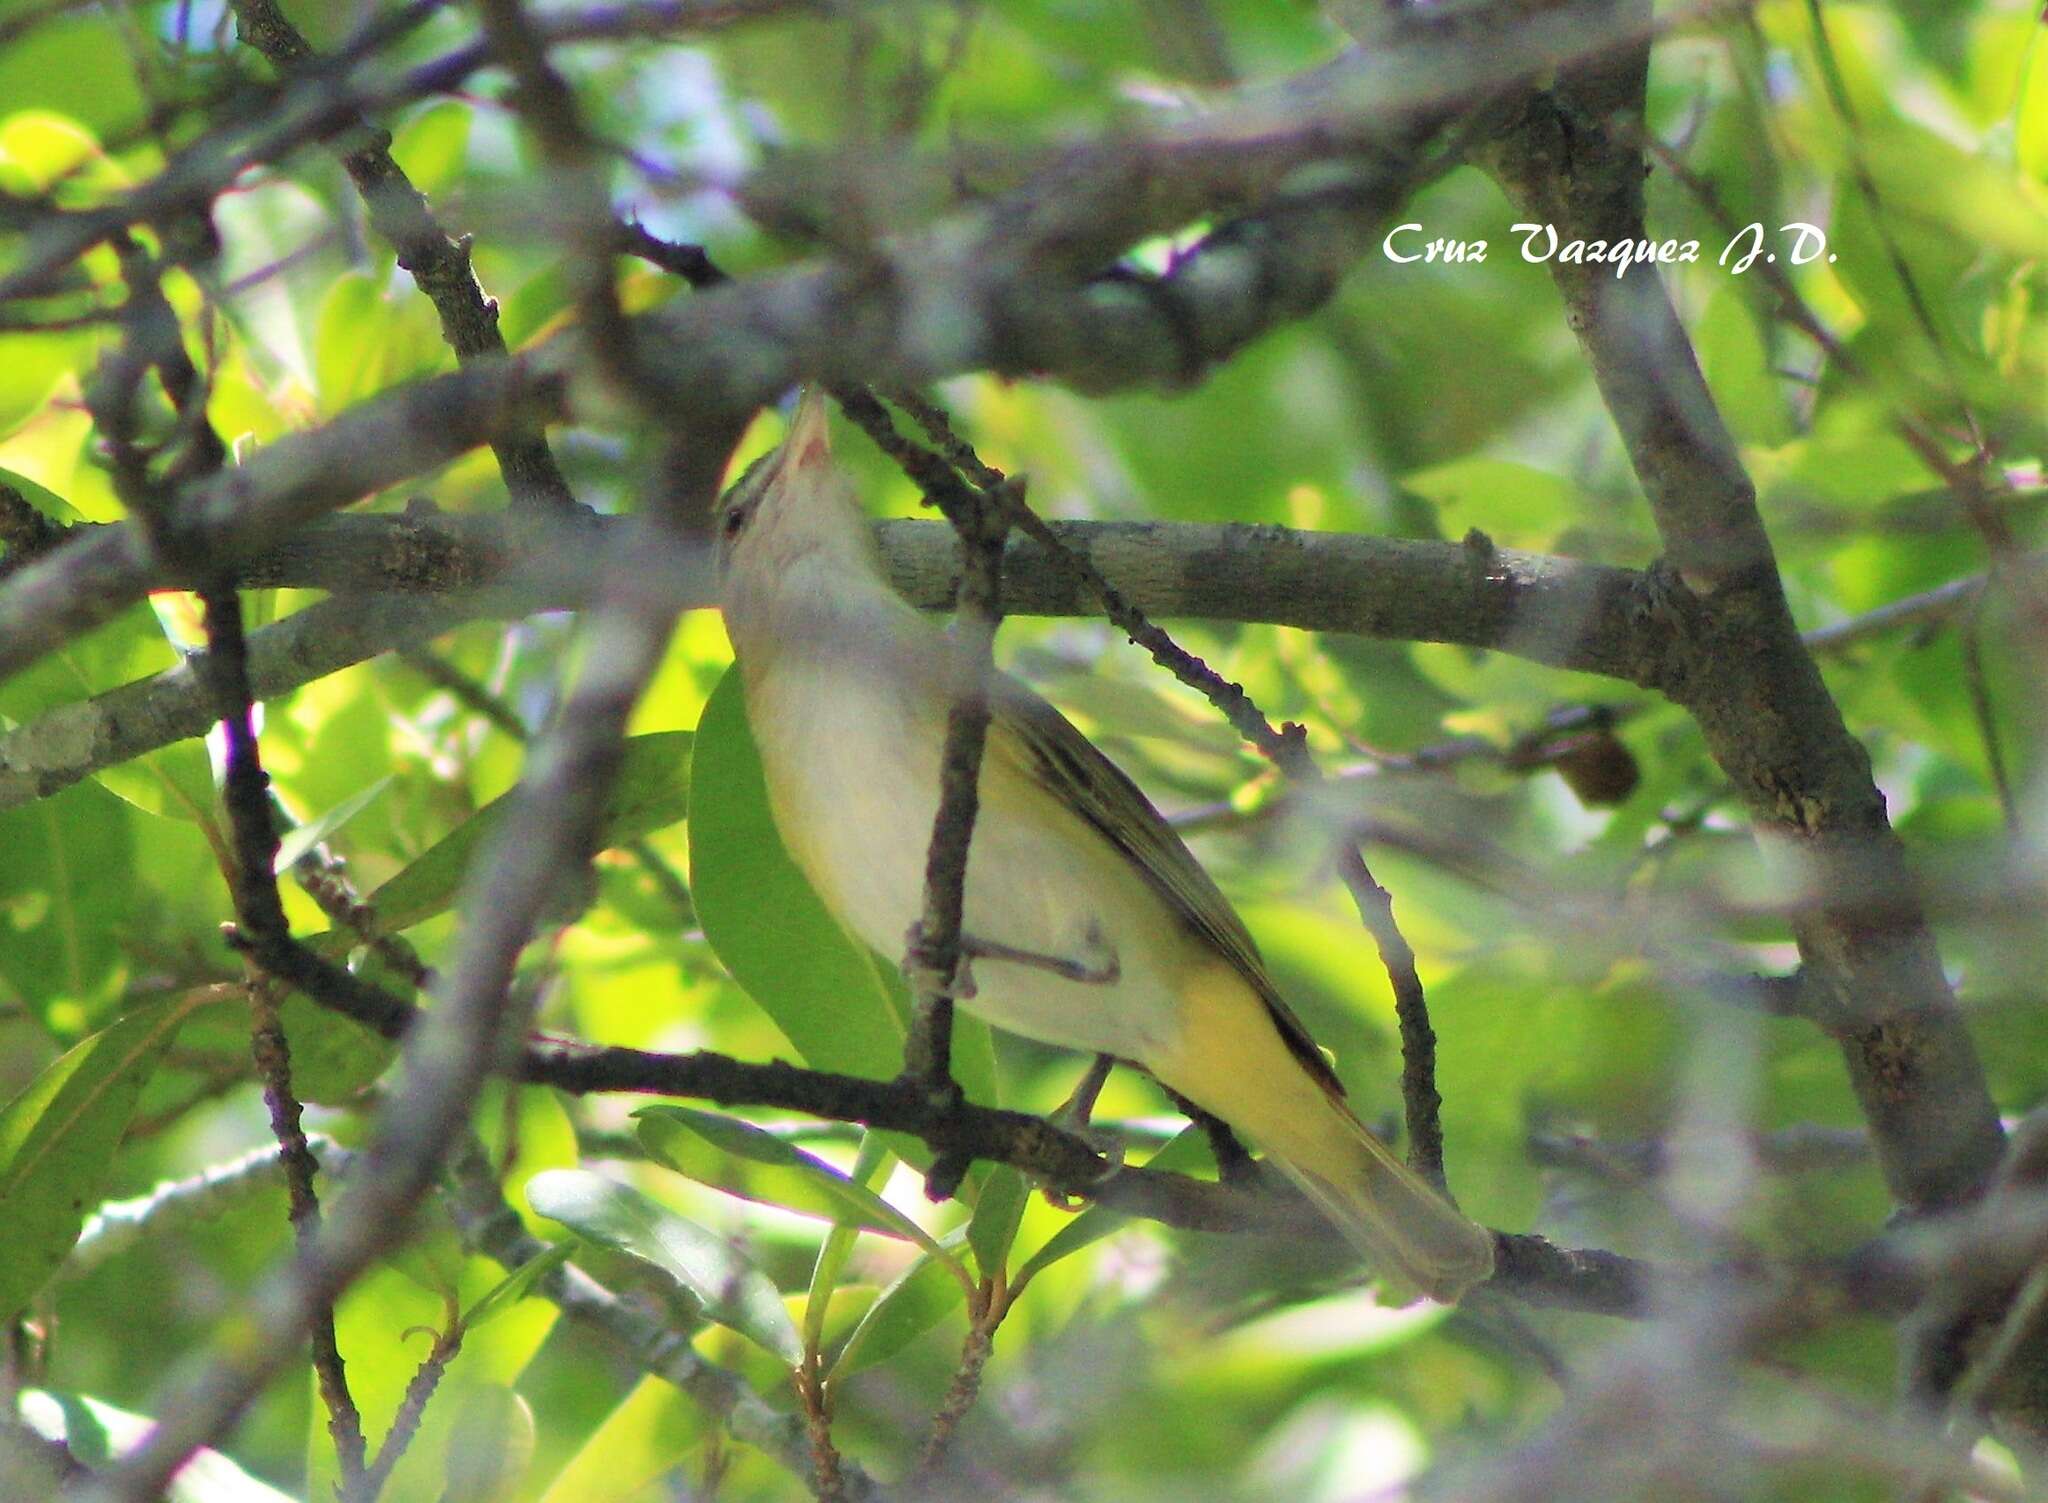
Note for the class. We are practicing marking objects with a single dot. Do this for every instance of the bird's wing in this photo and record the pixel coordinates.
(1048, 750)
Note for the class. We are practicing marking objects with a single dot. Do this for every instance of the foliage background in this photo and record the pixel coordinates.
(1424, 400)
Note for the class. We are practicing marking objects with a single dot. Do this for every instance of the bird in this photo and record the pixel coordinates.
(1087, 922)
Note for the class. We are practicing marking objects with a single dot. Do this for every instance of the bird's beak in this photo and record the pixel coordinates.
(809, 444)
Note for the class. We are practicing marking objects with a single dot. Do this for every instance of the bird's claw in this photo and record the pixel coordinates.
(923, 977)
(1103, 1141)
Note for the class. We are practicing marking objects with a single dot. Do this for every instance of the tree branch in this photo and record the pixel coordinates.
(1016, 287)
(438, 263)
(549, 827)
(237, 512)
(1747, 678)
(1551, 610)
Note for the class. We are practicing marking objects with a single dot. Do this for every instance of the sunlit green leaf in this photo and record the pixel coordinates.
(301, 840)
(650, 793)
(925, 1295)
(730, 1289)
(742, 1160)
(517, 1284)
(651, 1431)
(57, 1138)
(838, 1243)
(997, 1214)
(490, 1445)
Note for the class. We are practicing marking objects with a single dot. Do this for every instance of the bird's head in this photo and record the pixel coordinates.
(791, 530)
(791, 501)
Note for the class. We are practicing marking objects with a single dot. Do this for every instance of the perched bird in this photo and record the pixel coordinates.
(1088, 923)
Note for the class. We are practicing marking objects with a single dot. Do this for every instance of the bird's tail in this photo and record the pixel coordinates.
(1395, 1219)
(1231, 1061)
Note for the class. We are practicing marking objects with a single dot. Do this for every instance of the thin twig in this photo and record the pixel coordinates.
(419, 1391)
(273, 1064)
(1986, 714)
(245, 794)
(1421, 1103)
(991, 1306)
(120, 1225)
(438, 262)
(828, 1475)
(324, 877)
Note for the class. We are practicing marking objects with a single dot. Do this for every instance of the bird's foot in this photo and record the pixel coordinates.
(1072, 1116)
(1099, 967)
(924, 977)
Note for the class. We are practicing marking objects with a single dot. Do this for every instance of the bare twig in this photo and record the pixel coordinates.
(118, 1226)
(274, 1066)
(438, 263)
(828, 1476)
(412, 1409)
(246, 797)
(992, 1303)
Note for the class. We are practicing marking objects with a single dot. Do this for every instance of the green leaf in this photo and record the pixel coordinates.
(175, 782)
(431, 146)
(69, 867)
(516, 1285)
(922, 1297)
(998, 1211)
(297, 842)
(651, 792)
(838, 1245)
(822, 989)
(731, 1290)
(431, 1254)
(1737, 364)
(334, 1059)
(34, 365)
(96, 1433)
(383, 1325)
(490, 1445)
(652, 1431)
(369, 338)
(742, 1160)
(57, 1139)
(1188, 1150)
(64, 64)
(1516, 505)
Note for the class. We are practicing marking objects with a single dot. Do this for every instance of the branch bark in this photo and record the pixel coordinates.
(438, 263)
(1581, 616)
(1871, 968)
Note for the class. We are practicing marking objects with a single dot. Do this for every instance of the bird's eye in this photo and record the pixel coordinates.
(735, 520)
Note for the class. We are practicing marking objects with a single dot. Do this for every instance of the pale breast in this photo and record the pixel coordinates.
(853, 772)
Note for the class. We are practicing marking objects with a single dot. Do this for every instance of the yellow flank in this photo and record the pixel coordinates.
(1230, 1060)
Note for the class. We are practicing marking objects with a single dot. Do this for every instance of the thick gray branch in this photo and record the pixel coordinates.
(237, 512)
(404, 581)
(1870, 961)
(1016, 286)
